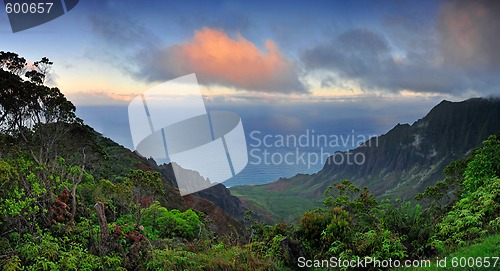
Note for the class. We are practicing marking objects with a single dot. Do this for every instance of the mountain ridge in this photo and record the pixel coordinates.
(401, 162)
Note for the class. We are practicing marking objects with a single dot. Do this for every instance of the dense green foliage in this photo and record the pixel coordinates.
(162, 223)
(477, 210)
(56, 174)
(460, 210)
(479, 256)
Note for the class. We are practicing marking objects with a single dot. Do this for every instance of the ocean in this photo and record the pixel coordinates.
(281, 142)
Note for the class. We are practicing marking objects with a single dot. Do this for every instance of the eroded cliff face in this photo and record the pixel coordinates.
(402, 162)
(408, 158)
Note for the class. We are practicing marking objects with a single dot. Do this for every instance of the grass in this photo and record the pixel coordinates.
(280, 206)
(488, 247)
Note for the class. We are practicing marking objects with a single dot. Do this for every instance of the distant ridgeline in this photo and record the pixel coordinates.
(402, 162)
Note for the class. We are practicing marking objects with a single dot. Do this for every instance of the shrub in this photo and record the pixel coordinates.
(380, 244)
(476, 211)
(311, 227)
(471, 217)
(412, 223)
(163, 223)
(484, 165)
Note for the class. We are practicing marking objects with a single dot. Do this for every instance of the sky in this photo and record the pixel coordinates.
(379, 61)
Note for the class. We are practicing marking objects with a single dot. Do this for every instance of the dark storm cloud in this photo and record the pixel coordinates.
(352, 53)
(366, 56)
(459, 55)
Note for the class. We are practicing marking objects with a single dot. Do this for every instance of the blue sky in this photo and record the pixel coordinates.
(308, 54)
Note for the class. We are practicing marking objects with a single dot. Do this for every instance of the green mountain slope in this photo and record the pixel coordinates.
(398, 164)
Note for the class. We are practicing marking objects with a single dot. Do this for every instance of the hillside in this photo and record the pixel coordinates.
(216, 203)
(398, 164)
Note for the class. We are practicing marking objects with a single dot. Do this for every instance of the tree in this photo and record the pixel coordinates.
(12, 62)
(147, 186)
(42, 71)
(34, 114)
(38, 120)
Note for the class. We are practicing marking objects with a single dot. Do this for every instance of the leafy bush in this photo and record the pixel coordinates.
(471, 217)
(231, 258)
(355, 225)
(163, 223)
(476, 211)
(380, 244)
(485, 164)
(46, 252)
(410, 221)
(311, 227)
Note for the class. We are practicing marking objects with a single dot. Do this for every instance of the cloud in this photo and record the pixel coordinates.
(99, 98)
(352, 53)
(218, 59)
(452, 50)
(118, 41)
(470, 34)
(215, 57)
(448, 63)
(367, 57)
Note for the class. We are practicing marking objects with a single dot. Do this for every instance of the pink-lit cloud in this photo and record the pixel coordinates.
(218, 59)
(469, 34)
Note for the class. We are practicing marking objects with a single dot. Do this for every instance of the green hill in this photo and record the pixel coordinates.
(398, 164)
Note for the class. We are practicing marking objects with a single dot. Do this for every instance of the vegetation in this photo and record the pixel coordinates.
(397, 164)
(71, 200)
(65, 206)
(461, 210)
(480, 252)
(274, 206)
